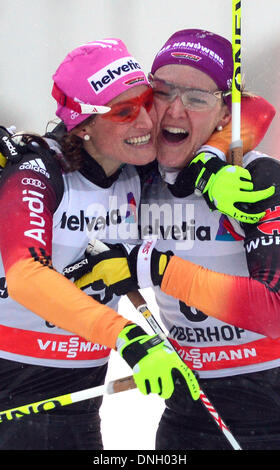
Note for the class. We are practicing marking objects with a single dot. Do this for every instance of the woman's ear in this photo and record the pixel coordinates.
(225, 118)
(80, 133)
(84, 129)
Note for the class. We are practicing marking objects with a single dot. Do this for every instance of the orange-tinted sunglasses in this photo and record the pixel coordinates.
(127, 111)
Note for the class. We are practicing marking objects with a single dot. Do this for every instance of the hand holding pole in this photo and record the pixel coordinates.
(236, 149)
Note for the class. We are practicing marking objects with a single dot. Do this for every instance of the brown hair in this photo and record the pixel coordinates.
(71, 155)
(71, 149)
(72, 146)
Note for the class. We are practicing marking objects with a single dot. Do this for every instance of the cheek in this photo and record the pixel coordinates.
(153, 115)
(108, 133)
(203, 125)
(160, 109)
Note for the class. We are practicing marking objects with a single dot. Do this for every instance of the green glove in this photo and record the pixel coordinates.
(155, 364)
(224, 186)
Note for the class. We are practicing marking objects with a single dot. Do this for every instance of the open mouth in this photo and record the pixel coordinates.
(144, 139)
(174, 134)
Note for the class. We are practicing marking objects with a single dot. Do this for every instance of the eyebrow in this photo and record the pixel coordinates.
(182, 86)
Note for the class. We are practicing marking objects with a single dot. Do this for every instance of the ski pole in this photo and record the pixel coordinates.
(96, 246)
(114, 386)
(236, 148)
(141, 306)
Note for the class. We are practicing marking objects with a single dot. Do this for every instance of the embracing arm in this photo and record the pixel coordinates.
(240, 301)
(54, 298)
(25, 242)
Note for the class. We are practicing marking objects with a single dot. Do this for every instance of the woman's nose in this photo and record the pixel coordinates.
(146, 119)
(176, 108)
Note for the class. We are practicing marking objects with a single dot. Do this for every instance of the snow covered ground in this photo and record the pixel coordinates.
(129, 419)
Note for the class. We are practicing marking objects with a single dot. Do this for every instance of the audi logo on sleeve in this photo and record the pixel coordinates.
(33, 182)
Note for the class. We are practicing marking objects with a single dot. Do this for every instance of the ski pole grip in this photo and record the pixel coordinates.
(121, 385)
(136, 299)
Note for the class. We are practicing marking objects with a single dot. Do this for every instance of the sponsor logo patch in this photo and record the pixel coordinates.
(132, 81)
(185, 55)
(108, 75)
